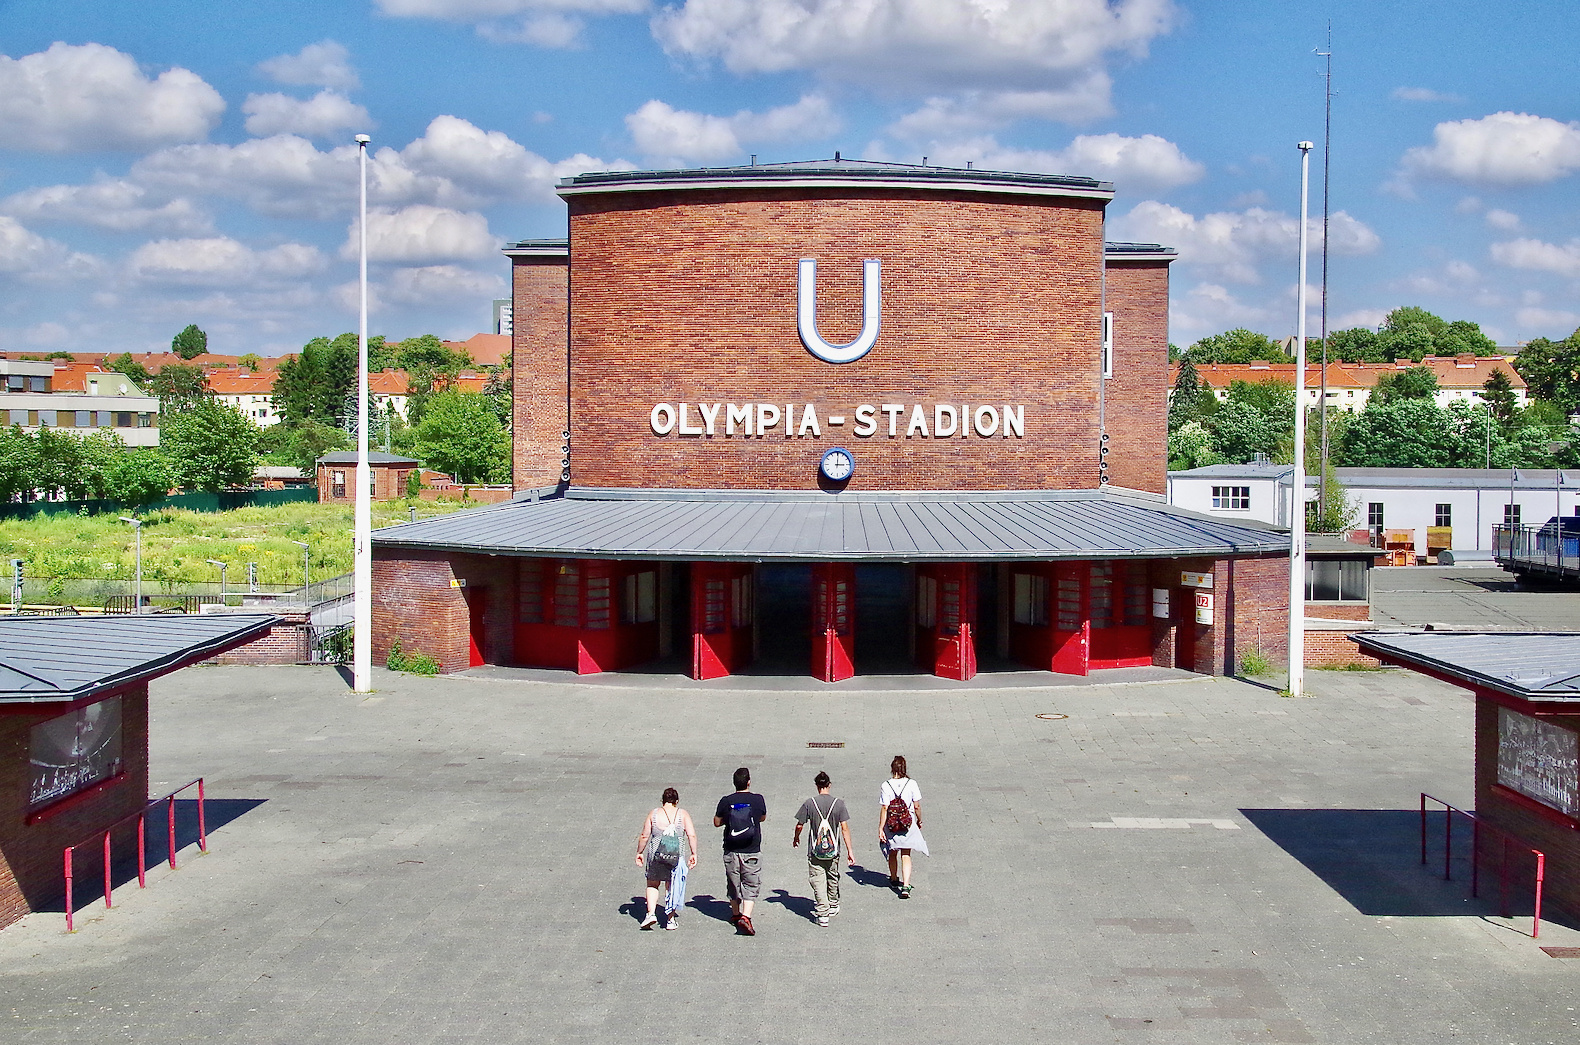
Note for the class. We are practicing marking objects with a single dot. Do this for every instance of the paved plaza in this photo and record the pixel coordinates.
(450, 860)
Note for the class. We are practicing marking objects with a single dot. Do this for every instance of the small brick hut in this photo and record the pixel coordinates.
(74, 734)
(836, 417)
(337, 475)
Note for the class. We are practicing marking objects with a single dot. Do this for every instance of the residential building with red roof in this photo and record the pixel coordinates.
(1349, 385)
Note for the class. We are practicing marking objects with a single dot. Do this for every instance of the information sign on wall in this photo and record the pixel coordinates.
(1195, 580)
(1540, 760)
(1204, 607)
(1160, 603)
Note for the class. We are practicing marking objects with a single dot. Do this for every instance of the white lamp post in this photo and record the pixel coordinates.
(216, 562)
(1297, 514)
(362, 554)
(137, 528)
(306, 550)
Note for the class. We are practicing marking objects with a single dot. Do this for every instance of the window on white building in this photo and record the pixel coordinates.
(1511, 515)
(1234, 498)
(1444, 515)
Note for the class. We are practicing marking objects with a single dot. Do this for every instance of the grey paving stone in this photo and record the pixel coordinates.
(450, 861)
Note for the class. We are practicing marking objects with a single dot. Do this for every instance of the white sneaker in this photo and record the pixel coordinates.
(823, 921)
(650, 921)
(832, 911)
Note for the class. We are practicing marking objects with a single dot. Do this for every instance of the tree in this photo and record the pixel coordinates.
(1498, 393)
(430, 366)
(60, 354)
(1404, 433)
(1185, 396)
(461, 434)
(1241, 431)
(315, 383)
(190, 343)
(125, 364)
(302, 444)
(1338, 508)
(1413, 341)
(1409, 315)
(1551, 370)
(251, 361)
(211, 445)
(18, 464)
(1418, 382)
(179, 386)
(1191, 447)
(1236, 346)
(1464, 336)
(138, 478)
(1356, 345)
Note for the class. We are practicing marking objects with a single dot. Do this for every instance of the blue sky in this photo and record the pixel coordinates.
(173, 162)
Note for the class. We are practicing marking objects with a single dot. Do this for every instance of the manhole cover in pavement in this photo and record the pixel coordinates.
(1563, 952)
(825, 743)
(1052, 716)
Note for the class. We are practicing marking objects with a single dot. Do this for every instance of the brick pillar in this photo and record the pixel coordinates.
(540, 373)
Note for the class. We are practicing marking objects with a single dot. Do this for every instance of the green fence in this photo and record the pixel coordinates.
(224, 501)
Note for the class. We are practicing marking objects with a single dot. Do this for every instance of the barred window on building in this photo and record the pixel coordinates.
(1374, 515)
(1511, 515)
(1444, 515)
(1236, 498)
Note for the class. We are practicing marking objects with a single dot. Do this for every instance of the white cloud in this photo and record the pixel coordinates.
(1560, 322)
(324, 115)
(1468, 205)
(1133, 164)
(91, 97)
(1422, 94)
(1502, 219)
(1209, 308)
(28, 255)
(423, 233)
(1014, 45)
(1538, 256)
(660, 130)
(46, 333)
(218, 260)
(1361, 317)
(115, 204)
(1504, 149)
(454, 164)
(542, 23)
(441, 283)
(1455, 278)
(324, 64)
(1233, 245)
(971, 111)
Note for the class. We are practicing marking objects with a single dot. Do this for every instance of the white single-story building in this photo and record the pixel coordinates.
(1468, 502)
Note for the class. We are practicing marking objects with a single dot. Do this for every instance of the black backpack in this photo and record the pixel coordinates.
(740, 826)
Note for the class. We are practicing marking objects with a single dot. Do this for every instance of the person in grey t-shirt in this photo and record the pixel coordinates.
(830, 822)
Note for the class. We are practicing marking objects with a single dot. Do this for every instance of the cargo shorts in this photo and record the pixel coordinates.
(743, 872)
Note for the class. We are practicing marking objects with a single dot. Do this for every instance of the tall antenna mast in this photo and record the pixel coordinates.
(1327, 152)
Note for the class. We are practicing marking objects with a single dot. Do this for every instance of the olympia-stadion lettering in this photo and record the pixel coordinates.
(944, 421)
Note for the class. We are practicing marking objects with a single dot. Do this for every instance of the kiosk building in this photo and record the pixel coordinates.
(836, 417)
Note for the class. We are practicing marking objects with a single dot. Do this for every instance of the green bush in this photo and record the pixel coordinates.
(1255, 663)
(415, 663)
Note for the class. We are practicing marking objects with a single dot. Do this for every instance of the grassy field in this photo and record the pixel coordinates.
(176, 542)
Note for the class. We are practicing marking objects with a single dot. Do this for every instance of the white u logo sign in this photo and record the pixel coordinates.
(806, 314)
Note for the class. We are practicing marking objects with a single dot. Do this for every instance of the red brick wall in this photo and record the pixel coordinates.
(386, 481)
(1339, 610)
(1251, 612)
(286, 643)
(691, 297)
(1333, 649)
(1555, 837)
(1136, 397)
(30, 854)
(414, 601)
(541, 307)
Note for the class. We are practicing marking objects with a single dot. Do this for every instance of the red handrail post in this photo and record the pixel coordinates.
(1475, 857)
(202, 830)
(1423, 827)
(107, 904)
(142, 850)
(68, 889)
(170, 826)
(1536, 919)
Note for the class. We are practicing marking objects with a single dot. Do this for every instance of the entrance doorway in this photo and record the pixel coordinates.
(883, 620)
(784, 612)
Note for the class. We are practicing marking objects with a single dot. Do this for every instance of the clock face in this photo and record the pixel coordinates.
(838, 465)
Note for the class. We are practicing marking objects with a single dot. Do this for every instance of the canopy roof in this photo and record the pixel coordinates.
(44, 659)
(810, 526)
(1531, 666)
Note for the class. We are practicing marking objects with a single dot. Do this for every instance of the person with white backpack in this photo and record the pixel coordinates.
(830, 820)
(667, 849)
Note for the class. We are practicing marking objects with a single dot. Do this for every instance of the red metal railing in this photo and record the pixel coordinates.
(141, 816)
(1475, 857)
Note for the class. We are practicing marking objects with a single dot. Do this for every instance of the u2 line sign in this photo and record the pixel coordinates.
(895, 420)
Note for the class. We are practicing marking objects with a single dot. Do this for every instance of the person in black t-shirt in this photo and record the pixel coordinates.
(741, 814)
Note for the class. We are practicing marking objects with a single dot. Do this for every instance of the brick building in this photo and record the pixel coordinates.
(836, 417)
(337, 475)
(74, 735)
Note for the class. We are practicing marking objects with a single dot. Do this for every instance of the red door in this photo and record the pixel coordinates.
(946, 611)
(1072, 625)
(721, 618)
(833, 621)
(477, 621)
